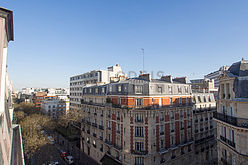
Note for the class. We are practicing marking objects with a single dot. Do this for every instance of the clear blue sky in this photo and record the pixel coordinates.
(55, 39)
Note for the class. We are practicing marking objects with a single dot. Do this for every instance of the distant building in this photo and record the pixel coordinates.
(95, 77)
(11, 152)
(203, 86)
(214, 75)
(38, 98)
(232, 115)
(53, 107)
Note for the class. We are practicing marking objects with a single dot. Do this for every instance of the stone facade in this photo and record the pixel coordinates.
(232, 116)
(138, 121)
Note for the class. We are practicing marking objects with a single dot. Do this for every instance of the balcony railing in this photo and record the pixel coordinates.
(139, 120)
(117, 147)
(101, 127)
(108, 142)
(137, 152)
(239, 122)
(94, 124)
(231, 143)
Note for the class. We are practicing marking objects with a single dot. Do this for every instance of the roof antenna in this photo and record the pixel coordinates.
(143, 53)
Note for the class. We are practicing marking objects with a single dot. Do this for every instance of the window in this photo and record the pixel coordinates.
(230, 112)
(172, 140)
(139, 132)
(161, 129)
(161, 143)
(181, 125)
(172, 127)
(119, 88)
(186, 89)
(180, 100)
(103, 90)
(118, 128)
(181, 114)
(171, 102)
(223, 131)
(172, 114)
(109, 124)
(170, 89)
(187, 100)
(223, 153)
(139, 101)
(110, 88)
(138, 89)
(96, 90)
(160, 90)
(231, 135)
(139, 146)
(139, 118)
(139, 161)
(179, 89)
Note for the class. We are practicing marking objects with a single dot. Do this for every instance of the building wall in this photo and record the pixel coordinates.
(232, 124)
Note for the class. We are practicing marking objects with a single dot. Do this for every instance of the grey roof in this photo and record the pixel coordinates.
(239, 68)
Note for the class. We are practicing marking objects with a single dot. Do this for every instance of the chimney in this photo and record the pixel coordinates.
(145, 76)
(167, 78)
(181, 80)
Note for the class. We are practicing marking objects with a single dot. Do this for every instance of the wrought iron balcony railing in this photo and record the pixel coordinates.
(239, 122)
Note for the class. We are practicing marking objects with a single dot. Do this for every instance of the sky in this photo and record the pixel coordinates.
(57, 39)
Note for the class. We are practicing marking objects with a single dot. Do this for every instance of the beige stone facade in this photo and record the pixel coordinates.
(232, 116)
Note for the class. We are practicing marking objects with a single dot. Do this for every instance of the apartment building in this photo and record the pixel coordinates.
(203, 86)
(38, 98)
(138, 121)
(232, 116)
(215, 75)
(204, 127)
(10, 134)
(53, 107)
(113, 73)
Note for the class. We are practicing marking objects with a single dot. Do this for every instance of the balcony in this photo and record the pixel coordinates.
(224, 160)
(231, 143)
(223, 138)
(108, 142)
(117, 147)
(101, 127)
(137, 152)
(94, 125)
(139, 120)
(239, 122)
